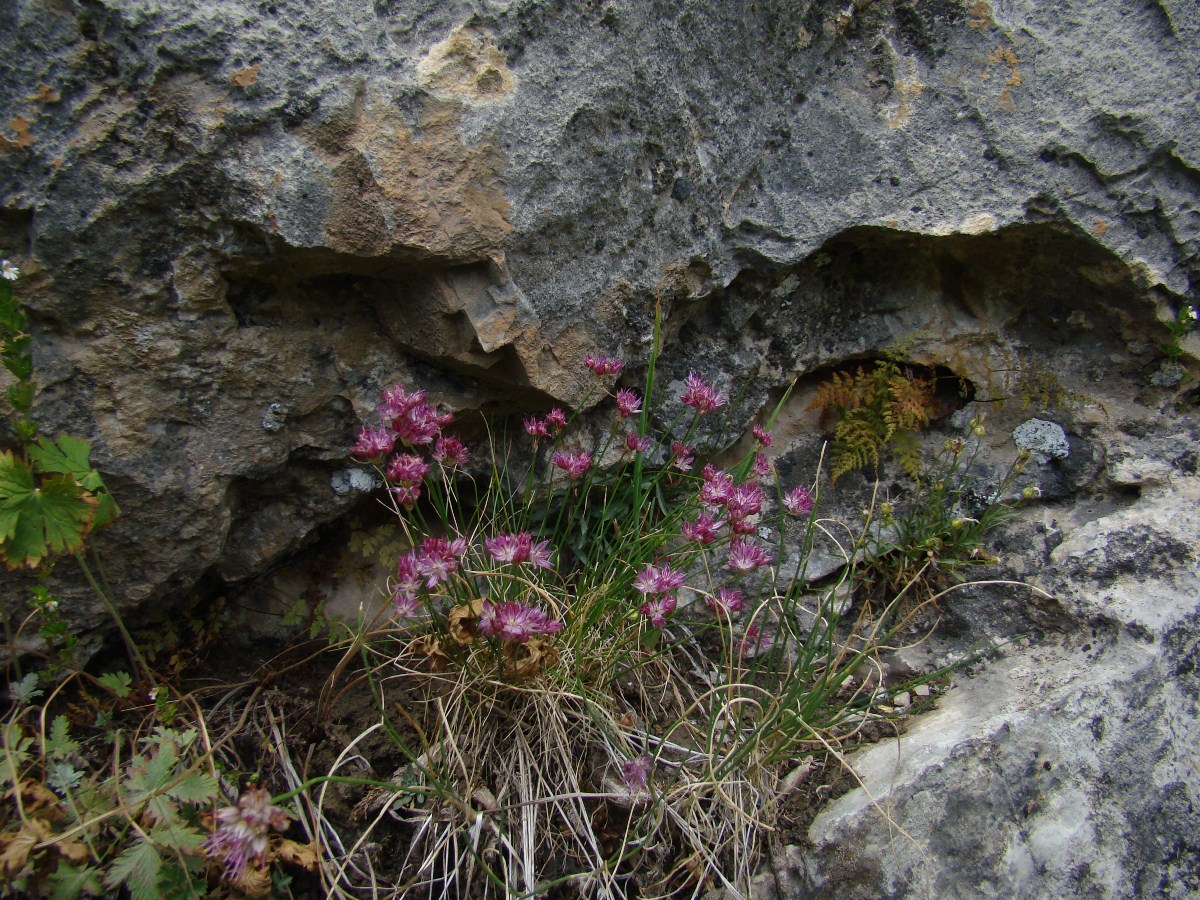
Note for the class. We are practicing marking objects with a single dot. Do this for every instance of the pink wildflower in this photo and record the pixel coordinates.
(628, 403)
(726, 602)
(744, 500)
(541, 556)
(658, 579)
(743, 526)
(702, 529)
(406, 603)
(745, 557)
(761, 467)
(761, 435)
(798, 501)
(242, 833)
(657, 608)
(603, 365)
(407, 469)
(717, 488)
(408, 574)
(682, 456)
(514, 621)
(406, 495)
(635, 773)
(509, 548)
(536, 428)
(574, 464)
(438, 559)
(450, 451)
(556, 419)
(373, 444)
(700, 396)
(755, 642)
(637, 444)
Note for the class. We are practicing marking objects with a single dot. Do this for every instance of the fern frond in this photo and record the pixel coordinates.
(910, 404)
(857, 440)
(908, 453)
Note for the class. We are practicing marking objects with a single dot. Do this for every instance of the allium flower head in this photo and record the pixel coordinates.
(798, 501)
(635, 773)
(242, 834)
(603, 365)
(406, 603)
(509, 548)
(755, 642)
(700, 396)
(515, 621)
(657, 608)
(761, 467)
(8, 271)
(536, 428)
(702, 529)
(744, 500)
(405, 468)
(628, 403)
(556, 419)
(745, 557)
(682, 456)
(637, 444)
(574, 464)
(406, 495)
(761, 435)
(438, 559)
(726, 602)
(450, 451)
(717, 488)
(658, 579)
(373, 444)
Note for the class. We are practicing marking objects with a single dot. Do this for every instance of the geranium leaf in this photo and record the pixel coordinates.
(37, 520)
(70, 456)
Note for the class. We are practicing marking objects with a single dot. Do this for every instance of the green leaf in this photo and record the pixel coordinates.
(60, 744)
(68, 882)
(26, 689)
(69, 455)
(64, 777)
(120, 683)
(39, 519)
(177, 837)
(196, 787)
(137, 868)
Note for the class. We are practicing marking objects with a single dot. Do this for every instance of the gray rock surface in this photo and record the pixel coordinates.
(237, 220)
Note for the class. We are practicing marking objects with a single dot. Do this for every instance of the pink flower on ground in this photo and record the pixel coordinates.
(635, 773)
(628, 403)
(242, 833)
(450, 451)
(700, 396)
(574, 464)
(373, 444)
(761, 435)
(407, 469)
(798, 501)
(637, 444)
(536, 428)
(657, 608)
(682, 456)
(726, 602)
(556, 419)
(603, 365)
(745, 557)
(658, 579)
(514, 621)
(702, 529)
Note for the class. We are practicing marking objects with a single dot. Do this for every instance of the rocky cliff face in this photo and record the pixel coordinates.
(239, 220)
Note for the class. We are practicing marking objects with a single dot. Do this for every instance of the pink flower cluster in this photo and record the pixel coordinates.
(656, 583)
(700, 396)
(574, 464)
(603, 365)
(515, 622)
(433, 564)
(243, 832)
(554, 422)
(519, 548)
(410, 420)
